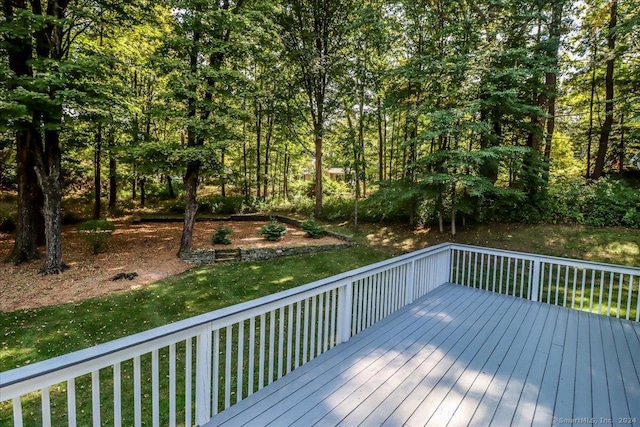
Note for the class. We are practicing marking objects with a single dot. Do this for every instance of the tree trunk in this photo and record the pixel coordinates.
(318, 184)
(258, 158)
(622, 148)
(113, 176)
(603, 144)
(172, 193)
(381, 142)
(30, 225)
(143, 191)
(591, 98)
(97, 187)
(223, 178)
(190, 206)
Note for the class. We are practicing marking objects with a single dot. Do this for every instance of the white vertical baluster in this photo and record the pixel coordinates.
(240, 371)
(313, 328)
(601, 291)
(409, 290)
(172, 385)
(535, 280)
(215, 374)
(610, 293)
(117, 396)
(506, 285)
(95, 397)
(203, 376)
(566, 285)
(575, 282)
(501, 274)
(475, 269)
(320, 324)
(46, 407)
(620, 291)
(155, 389)
(263, 328)
(638, 302)
(305, 335)
(272, 344)
(628, 316)
(327, 316)
(584, 281)
(17, 412)
(558, 270)
(188, 381)
(481, 271)
(137, 393)
(289, 336)
(71, 401)
(515, 277)
(550, 271)
(376, 299)
(298, 329)
(281, 342)
(361, 305)
(522, 277)
(252, 354)
(463, 268)
(228, 335)
(593, 284)
(334, 315)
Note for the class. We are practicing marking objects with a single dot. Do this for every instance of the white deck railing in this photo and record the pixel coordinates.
(188, 371)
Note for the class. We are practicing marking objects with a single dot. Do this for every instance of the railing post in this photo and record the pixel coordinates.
(409, 288)
(203, 376)
(535, 280)
(345, 311)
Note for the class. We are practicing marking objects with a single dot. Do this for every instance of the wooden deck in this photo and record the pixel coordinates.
(462, 356)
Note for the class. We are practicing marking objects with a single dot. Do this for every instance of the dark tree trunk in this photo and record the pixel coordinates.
(258, 158)
(381, 141)
(621, 151)
(113, 175)
(591, 98)
(143, 191)
(190, 206)
(223, 178)
(172, 194)
(603, 144)
(267, 153)
(97, 154)
(30, 225)
(318, 183)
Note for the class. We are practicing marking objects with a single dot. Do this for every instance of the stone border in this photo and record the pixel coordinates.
(208, 256)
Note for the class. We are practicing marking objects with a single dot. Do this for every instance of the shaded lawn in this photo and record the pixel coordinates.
(28, 336)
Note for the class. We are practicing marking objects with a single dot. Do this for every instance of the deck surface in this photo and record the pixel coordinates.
(459, 357)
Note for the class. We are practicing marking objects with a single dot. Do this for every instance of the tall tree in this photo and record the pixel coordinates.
(313, 33)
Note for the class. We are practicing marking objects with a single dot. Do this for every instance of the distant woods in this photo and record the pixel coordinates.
(441, 111)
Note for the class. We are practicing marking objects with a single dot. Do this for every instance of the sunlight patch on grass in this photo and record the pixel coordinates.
(282, 280)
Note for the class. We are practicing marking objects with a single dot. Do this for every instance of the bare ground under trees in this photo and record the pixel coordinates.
(149, 249)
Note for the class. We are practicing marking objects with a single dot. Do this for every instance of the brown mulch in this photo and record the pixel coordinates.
(149, 249)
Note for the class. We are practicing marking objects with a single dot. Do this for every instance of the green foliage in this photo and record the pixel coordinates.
(273, 231)
(96, 233)
(312, 228)
(220, 238)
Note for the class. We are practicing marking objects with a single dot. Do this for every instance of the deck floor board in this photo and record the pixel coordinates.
(462, 356)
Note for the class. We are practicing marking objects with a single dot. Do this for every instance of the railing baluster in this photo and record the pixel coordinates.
(584, 280)
(215, 375)
(298, 327)
(535, 279)
(501, 272)
(334, 303)
(281, 342)
(601, 292)
(611, 275)
(630, 297)
(252, 355)
(46, 407)
(155, 388)
(289, 336)
(575, 281)
(228, 335)
(305, 335)
(71, 402)
(240, 363)
(272, 343)
(188, 357)
(263, 328)
(327, 316)
(482, 285)
(17, 412)
(620, 292)
(313, 328)
(172, 386)
(638, 302)
(95, 397)
(320, 324)
(522, 271)
(137, 393)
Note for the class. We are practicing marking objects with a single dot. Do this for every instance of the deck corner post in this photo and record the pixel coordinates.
(535, 280)
(410, 285)
(345, 311)
(203, 376)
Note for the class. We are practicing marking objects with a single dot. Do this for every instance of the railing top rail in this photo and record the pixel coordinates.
(45, 367)
(589, 264)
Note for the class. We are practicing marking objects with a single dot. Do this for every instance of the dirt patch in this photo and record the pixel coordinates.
(148, 249)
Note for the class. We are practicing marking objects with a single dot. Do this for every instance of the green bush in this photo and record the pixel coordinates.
(312, 228)
(220, 238)
(96, 233)
(273, 231)
(7, 222)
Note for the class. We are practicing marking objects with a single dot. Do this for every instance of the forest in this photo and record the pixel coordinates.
(439, 112)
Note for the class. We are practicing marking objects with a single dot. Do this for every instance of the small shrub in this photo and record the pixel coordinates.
(312, 228)
(96, 233)
(273, 231)
(220, 238)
